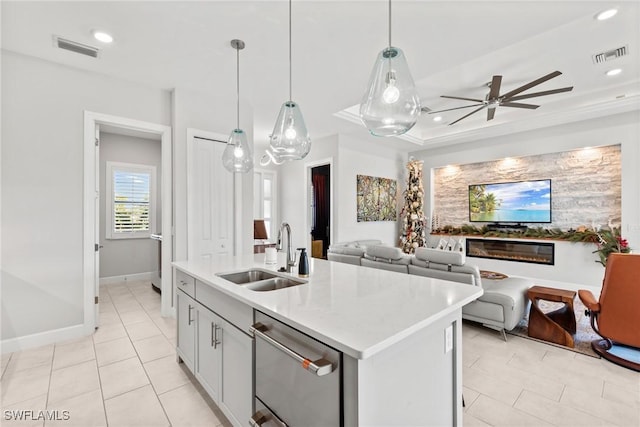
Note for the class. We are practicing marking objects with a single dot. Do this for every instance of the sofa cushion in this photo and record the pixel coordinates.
(396, 266)
(465, 278)
(365, 243)
(424, 268)
(440, 257)
(347, 250)
(385, 253)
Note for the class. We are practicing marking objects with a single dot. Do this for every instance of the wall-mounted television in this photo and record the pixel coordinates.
(515, 202)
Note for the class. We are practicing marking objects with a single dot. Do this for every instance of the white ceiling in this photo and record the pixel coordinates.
(453, 48)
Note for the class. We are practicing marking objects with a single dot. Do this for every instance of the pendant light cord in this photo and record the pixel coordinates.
(389, 23)
(290, 74)
(238, 88)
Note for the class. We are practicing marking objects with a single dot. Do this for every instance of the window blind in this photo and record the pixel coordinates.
(131, 197)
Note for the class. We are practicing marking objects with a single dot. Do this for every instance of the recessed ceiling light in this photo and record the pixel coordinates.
(610, 13)
(614, 72)
(437, 118)
(102, 36)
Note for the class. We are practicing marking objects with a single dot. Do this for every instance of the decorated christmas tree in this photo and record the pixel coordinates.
(413, 220)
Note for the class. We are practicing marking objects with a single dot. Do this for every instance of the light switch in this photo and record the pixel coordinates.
(448, 339)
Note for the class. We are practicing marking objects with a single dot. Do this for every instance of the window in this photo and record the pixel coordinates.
(130, 200)
(264, 200)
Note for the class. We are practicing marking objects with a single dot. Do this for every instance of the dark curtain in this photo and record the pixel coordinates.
(321, 211)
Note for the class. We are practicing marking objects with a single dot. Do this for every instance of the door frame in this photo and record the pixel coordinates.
(91, 120)
(307, 220)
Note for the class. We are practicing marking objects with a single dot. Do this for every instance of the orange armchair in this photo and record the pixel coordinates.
(616, 315)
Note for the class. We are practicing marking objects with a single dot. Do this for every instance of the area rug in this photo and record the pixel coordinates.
(584, 333)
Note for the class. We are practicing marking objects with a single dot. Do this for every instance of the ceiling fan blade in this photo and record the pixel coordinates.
(531, 84)
(464, 99)
(457, 108)
(543, 93)
(464, 117)
(518, 105)
(490, 113)
(495, 87)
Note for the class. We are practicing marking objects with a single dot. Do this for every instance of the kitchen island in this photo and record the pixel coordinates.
(398, 335)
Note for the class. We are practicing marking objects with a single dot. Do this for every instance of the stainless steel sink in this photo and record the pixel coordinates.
(260, 280)
(249, 276)
(273, 284)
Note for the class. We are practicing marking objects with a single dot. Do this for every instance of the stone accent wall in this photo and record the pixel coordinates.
(585, 186)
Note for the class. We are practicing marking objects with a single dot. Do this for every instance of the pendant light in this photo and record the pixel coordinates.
(290, 138)
(391, 105)
(237, 156)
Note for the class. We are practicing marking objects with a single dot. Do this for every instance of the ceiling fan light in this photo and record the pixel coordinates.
(606, 14)
(614, 72)
(391, 105)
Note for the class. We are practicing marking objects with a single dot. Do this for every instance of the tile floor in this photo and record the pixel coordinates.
(126, 375)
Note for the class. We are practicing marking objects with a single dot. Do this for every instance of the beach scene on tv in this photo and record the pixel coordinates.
(526, 201)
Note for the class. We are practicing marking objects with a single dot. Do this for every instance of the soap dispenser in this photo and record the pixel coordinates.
(303, 265)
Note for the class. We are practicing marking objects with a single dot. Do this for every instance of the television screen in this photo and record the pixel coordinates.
(524, 201)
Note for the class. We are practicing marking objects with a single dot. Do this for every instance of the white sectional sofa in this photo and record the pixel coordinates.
(501, 307)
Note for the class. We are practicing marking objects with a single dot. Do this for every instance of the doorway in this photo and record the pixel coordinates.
(93, 122)
(320, 210)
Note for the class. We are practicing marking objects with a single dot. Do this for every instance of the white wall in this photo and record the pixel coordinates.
(121, 257)
(292, 181)
(351, 156)
(357, 157)
(623, 129)
(204, 112)
(42, 184)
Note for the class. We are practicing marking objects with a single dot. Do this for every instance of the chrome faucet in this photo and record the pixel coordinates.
(290, 260)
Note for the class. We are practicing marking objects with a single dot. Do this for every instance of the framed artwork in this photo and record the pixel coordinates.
(376, 198)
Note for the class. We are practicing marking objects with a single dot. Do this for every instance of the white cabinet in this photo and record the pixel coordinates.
(186, 329)
(218, 352)
(209, 351)
(236, 390)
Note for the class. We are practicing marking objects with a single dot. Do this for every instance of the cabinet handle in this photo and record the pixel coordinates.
(214, 335)
(319, 367)
(189, 316)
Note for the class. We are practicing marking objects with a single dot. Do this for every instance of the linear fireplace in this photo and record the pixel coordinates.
(512, 250)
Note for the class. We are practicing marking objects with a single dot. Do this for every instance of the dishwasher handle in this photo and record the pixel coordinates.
(319, 367)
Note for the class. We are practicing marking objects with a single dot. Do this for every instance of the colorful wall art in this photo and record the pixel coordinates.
(376, 198)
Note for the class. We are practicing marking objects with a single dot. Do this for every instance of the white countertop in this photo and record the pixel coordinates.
(357, 310)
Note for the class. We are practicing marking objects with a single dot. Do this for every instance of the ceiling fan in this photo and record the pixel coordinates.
(494, 99)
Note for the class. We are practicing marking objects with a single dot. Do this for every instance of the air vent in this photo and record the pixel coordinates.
(609, 55)
(76, 47)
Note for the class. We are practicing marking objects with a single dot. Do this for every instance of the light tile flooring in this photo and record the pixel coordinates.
(126, 375)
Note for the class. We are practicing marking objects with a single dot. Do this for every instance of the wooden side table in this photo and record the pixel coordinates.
(557, 326)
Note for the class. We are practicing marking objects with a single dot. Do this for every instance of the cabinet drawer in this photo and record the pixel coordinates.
(186, 283)
(233, 311)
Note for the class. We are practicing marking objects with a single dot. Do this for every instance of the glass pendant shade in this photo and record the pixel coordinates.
(391, 105)
(290, 138)
(237, 156)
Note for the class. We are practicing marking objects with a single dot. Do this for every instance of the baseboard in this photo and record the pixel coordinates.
(43, 338)
(128, 277)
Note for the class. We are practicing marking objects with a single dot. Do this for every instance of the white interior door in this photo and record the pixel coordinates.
(210, 194)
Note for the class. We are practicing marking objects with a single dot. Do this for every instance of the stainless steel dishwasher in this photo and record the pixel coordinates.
(297, 378)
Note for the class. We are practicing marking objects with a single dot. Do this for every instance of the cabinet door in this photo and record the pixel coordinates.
(236, 395)
(209, 351)
(186, 329)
